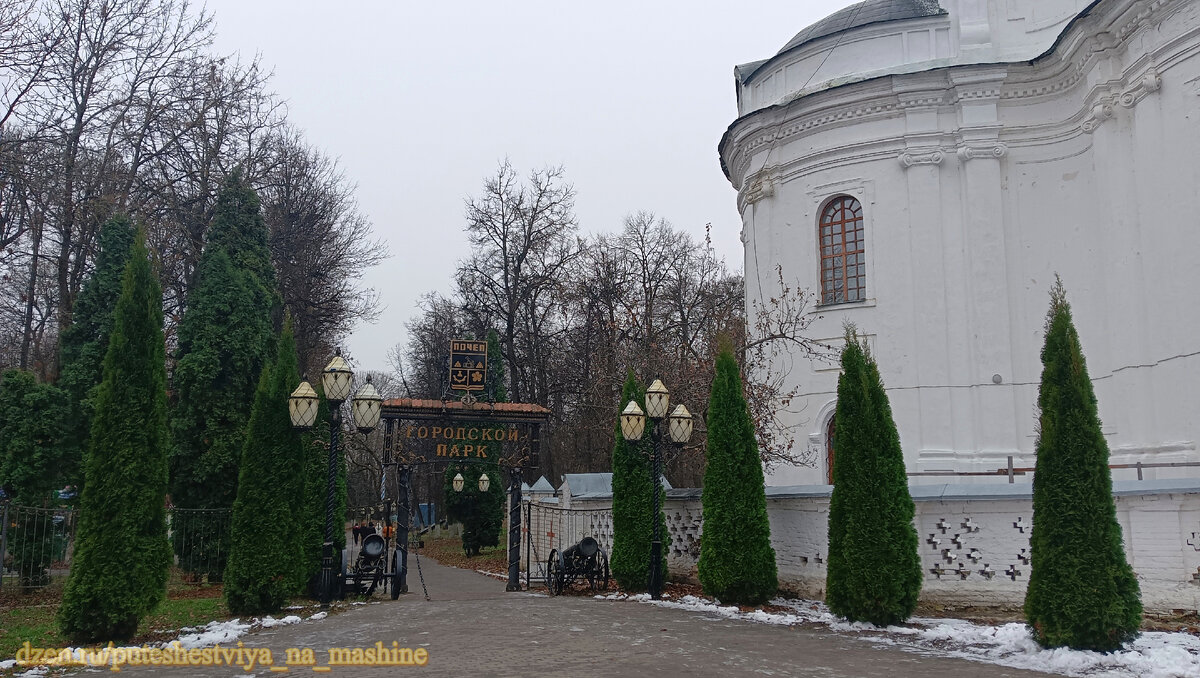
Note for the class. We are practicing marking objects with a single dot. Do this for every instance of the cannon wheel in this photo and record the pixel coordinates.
(339, 578)
(555, 573)
(598, 578)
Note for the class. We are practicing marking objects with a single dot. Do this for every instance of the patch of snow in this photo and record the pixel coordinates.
(1151, 655)
(318, 616)
(271, 622)
(212, 633)
(358, 603)
(7, 664)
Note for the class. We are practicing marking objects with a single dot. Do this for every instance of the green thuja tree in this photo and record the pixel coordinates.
(874, 568)
(737, 563)
(265, 564)
(1082, 592)
(226, 337)
(633, 501)
(119, 571)
(480, 513)
(85, 342)
(35, 428)
(34, 435)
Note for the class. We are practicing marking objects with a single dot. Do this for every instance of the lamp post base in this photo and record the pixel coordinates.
(326, 582)
(656, 581)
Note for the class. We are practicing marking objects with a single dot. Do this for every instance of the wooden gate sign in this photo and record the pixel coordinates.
(468, 365)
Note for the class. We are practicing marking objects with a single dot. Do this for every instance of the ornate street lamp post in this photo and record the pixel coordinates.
(302, 406)
(679, 429)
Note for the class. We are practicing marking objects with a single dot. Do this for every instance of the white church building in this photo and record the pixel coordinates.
(926, 167)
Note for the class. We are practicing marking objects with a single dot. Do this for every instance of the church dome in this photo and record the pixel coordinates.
(863, 14)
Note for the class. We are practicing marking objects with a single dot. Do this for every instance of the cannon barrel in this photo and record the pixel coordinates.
(372, 548)
(586, 548)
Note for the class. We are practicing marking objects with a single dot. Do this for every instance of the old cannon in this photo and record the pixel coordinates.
(583, 561)
(368, 569)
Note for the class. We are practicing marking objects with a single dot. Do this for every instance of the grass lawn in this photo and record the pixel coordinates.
(30, 616)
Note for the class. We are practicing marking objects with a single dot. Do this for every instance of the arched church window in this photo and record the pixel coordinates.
(843, 256)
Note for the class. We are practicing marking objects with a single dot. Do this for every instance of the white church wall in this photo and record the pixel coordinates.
(979, 184)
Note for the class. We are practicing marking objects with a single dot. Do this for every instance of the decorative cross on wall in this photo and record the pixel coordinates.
(975, 555)
(1196, 577)
(949, 557)
(933, 541)
(957, 541)
(987, 571)
(963, 572)
(818, 559)
(970, 526)
(1020, 525)
(937, 570)
(1023, 556)
(1013, 572)
(1194, 542)
(943, 525)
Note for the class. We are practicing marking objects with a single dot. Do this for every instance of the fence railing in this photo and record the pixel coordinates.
(200, 541)
(1011, 472)
(552, 527)
(36, 545)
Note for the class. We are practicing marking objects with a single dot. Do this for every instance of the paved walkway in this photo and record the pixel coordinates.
(472, 627)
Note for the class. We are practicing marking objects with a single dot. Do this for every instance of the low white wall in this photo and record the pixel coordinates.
(974, 539)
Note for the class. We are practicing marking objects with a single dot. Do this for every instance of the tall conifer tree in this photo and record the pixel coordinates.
(265, 564)
(737, 563)
(874, 568)
(85, 342)
(119, 571)
(1082, 592)
(34, 431)
(35, 439)
(633, 498)
(225, 339)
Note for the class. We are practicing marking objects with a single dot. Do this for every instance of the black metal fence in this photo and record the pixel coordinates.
(552, 527)
(37, 544)
(200, 540)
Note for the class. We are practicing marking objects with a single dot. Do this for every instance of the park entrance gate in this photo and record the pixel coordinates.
(432, 434)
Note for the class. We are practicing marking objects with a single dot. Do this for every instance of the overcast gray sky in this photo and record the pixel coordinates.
(421, 101)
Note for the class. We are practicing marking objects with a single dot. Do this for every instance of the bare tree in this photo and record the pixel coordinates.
(422, 367)
(114, 54)
(522, 237)
(117, 105)
(321, 245)
(776, 337)
(29, 34)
